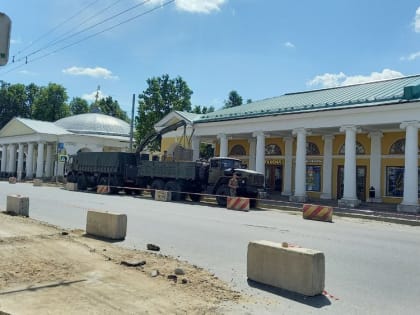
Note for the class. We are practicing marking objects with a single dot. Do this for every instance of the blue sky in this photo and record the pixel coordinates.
(260, 48)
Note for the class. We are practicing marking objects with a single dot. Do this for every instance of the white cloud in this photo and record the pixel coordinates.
(195, 6)
(412, 56)
(97, 72)
(289, 45)
(329, 80)
(91, 97)
(417, 21)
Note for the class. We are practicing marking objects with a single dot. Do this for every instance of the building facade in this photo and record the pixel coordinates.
(351, 143)
(38, 149)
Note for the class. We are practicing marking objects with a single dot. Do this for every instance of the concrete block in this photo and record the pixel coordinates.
(295, 269)
(163, 195)
(12, 180)
(106, 224)
(37, 182)
(102, 189)
(237, 203)
(71, 186)
(318, 213)
(18, 205)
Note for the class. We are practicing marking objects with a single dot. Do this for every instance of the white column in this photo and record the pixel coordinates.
(375, 164)
(260, 152)
(195, 146)
(350, 195)
(288, 164)
(300, 169)
(410, 199)
(327, 167)
(48, 162)
(30, 161)
(252, 153)
(40, 161)
(4, 158)
(20, 162)
(12, 159)
(223, 145)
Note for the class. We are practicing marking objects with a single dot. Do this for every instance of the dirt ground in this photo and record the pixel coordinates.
(46, 270)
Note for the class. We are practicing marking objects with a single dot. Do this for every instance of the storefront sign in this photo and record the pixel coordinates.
(273, 162)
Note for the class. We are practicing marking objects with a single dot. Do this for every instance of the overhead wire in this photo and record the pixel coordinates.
(162, 5)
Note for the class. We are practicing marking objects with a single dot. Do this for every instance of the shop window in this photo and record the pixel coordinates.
(272, 149)
(360, 149)
(312, 149)
(237, 150)
(313, 178)
(395, 181)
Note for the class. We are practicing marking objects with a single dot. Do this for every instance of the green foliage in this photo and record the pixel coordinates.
(110, 107)
(234, 99)
(249, 100)
(13, 102)
(50, 105)
(202, 109)
(162, 96)
(78, 106)
(206, 151)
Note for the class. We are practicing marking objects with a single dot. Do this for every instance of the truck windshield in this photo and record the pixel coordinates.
(230, 164)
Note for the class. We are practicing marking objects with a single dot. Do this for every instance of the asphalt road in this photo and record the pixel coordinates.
(371, 267)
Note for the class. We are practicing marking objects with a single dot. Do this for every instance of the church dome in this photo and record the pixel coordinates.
(97, 124)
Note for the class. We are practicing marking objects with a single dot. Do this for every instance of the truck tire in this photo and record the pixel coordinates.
(223, 190)
(156, 184)
(175, 188)
(81, 182)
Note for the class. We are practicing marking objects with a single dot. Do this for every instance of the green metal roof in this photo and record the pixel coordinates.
(367, 94)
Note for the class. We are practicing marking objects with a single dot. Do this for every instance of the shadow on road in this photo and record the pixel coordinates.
(317, 301)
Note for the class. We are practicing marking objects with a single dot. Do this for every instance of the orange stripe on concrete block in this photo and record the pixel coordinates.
(102, 189)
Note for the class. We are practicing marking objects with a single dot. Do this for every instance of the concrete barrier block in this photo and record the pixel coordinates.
(102, 189)
(12, 180)
(237, 203)
(106, 224)
(71, 186)
(294, 269)
(318, 213)
(18, 205)
(37, 182)
(163, 195)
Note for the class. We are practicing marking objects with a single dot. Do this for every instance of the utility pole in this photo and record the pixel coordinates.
(132, 123)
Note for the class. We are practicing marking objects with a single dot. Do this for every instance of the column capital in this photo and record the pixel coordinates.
(328, 137)
(221, 136)
(287, 139)
(258, 133)
(413, 123)
(300, 130)
(376, 133)
(350, 128)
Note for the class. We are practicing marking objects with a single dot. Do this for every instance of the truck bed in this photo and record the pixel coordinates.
(167, 169)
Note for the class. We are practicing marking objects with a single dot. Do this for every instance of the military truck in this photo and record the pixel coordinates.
(127, 171)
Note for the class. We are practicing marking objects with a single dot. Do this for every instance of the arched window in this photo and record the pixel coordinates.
(312, 149)
(272, 149)
(398, 147)
(359, 149)
(237, 150)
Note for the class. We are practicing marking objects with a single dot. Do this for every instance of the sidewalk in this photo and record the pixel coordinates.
(367, 210)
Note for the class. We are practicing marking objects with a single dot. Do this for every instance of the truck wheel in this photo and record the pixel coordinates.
(195, 197)
(222, 191)
(156, 184)
(81, 182)
(175, 188)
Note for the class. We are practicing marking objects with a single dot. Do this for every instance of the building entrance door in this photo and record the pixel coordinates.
(274, 177)
(360, 182)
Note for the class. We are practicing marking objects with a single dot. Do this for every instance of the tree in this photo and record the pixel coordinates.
(206, 151)
(78, 106)
(12, 102)
(51, 105)
(249, 100)
(162, 96)
(202, 109)
(32, 92)
(110, 107)
(234, 99)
